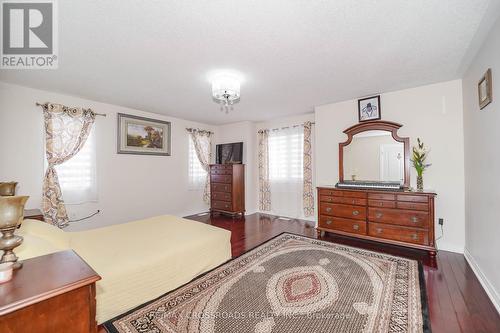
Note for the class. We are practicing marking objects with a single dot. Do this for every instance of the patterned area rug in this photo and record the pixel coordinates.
(292, 284)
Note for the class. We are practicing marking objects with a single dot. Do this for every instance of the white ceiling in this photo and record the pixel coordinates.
(155, 55)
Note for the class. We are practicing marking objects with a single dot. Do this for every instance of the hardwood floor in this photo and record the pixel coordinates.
(457, 301)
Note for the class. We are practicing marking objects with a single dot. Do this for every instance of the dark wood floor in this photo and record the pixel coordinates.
(457, 301)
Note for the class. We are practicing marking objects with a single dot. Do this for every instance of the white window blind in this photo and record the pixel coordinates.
(286, 147)
(197, 175)
(77, 176)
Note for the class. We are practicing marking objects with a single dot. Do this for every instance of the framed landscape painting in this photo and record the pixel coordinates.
(143, 136)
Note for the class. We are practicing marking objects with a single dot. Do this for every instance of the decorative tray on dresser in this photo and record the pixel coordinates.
(371, 200)
(396, 217)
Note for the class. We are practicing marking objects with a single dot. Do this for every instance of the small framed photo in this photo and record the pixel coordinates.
(143, 136)
(369, 108)
(484, 89)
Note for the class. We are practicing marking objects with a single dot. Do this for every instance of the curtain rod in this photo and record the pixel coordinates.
(190, 129)
(285, 127)
(97, 114)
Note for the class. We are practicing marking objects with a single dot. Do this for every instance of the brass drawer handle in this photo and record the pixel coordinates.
(355, 213)
(355, 227)
(328, 221)
(379, 215)
(414, 219)
(328, 209)
(414, 237)
(379, 230)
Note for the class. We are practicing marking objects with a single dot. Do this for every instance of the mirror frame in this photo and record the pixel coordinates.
(379, 125)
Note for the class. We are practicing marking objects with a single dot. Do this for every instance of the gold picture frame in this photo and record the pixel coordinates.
(484, 90)
(143, 136)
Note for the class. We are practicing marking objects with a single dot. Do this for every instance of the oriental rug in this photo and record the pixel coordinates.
(292, 284)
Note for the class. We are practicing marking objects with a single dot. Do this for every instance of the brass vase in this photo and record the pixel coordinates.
(11, 215)
(8, 189)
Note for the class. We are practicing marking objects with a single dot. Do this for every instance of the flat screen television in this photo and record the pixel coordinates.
(229, 153)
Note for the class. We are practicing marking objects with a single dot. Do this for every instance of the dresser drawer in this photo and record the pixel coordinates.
(381, 196)
(221, 178)
(224, 205)
(343, 200)
(221, 166)
(382, 203)
(327, 198)
(354, 194)
(342, 193)
(413, 205)
(347, 211)
(346, 225)
(217, 187)
(402, 234)
(331, 192)
(221, 171)
(413, 198)
(399, 217)
(221, 196)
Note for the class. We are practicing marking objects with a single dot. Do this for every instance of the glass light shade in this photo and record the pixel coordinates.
(226, 89)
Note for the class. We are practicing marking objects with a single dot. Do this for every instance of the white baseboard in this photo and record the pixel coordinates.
(450, 248)
(488, 287)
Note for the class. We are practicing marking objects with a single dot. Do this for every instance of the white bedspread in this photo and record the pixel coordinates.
(138, 261)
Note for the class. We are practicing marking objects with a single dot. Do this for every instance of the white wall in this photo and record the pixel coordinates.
(482, 165)
(433, 113)
(246, 132)
(129, 186)
(243, 132)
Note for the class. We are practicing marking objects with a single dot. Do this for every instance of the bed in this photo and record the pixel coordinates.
(138, 261)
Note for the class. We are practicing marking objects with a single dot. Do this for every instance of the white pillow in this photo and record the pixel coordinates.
(34, 246)
(52, 234)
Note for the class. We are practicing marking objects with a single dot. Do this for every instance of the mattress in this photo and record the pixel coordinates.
(138, 261)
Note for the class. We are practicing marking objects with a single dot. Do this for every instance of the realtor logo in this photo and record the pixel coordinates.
(29, 32)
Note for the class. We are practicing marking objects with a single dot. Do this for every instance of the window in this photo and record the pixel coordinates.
(77, 176)
(286, 155)
(197, 175)
(286, 148)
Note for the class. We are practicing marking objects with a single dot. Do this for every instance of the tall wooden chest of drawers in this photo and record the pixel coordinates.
(396, 217)
(227, 188)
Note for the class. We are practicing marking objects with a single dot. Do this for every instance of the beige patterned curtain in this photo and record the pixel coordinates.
(264, 184)
(308, 195)
(202, 141)
(66, 131)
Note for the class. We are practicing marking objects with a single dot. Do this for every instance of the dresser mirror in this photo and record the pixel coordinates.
(375, 156)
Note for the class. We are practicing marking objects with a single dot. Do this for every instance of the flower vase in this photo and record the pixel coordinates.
(420, 183)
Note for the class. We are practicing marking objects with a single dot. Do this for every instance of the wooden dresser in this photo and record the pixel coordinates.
(33, 214)
(396, 217)
(53, 293)
(227, 188)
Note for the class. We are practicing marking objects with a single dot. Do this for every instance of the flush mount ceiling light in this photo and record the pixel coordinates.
(226, 90)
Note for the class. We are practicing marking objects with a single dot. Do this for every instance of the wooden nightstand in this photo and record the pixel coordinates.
(33, 214)
(51, 293)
